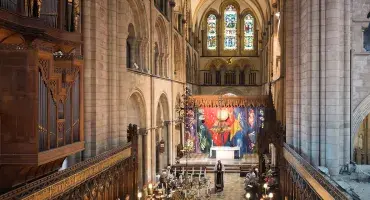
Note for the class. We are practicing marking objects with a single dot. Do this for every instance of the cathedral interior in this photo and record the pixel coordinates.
(184, 99)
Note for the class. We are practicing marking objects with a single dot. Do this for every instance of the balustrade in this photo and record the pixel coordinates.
(300, 180)
(110, 175)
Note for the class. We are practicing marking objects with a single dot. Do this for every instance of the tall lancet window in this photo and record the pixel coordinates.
(248, 32)
(230, 18)
(211, 32)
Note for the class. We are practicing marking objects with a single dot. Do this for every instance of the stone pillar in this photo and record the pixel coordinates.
(169, 142)
(222, 76)
(213, 73)
(138, 57)
(237, 76)
(334, 84)
(144, 156)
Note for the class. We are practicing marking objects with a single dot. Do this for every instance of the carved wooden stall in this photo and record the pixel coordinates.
(41, 76)
(110, 175)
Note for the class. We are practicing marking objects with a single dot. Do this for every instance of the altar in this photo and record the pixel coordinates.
(224, 152)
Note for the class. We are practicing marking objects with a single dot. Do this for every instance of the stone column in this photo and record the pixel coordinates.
(222, 76)
(237, 76)
(138, 57)
(169, 142)
(334, 86)
(213, 73)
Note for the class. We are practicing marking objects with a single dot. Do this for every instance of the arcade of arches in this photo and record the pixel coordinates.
(108, 99)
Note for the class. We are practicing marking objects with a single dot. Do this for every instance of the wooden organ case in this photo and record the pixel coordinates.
(41, 111)
(41, 87)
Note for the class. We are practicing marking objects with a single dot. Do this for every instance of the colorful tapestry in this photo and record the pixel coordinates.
(237, 126)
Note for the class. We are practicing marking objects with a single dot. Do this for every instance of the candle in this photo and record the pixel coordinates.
(205, 171)
(199, 177)
(193, 171)
(175, 171)
(200, 171)
(182, 170)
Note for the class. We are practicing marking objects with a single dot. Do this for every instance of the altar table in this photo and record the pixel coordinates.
(223, 152)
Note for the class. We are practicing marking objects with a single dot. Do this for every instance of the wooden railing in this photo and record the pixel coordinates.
(110, 175)
(301, 180)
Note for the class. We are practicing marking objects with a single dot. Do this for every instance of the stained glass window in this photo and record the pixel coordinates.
(211, 32)
(248, 32)
(230, 28)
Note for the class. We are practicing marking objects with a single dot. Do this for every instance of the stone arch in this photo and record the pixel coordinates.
(162, 40)
(130, 46)
(136, 114)
(226, 90)
(138, 18)
(358, 115)
(162, 132)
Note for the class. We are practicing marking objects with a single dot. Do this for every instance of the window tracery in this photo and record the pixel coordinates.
(230, 22)
(211, 32)
(248, 32)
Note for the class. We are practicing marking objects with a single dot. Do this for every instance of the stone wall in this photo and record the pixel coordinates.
(317, 85)
(116, 96)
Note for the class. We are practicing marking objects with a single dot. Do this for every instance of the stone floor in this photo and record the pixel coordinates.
(233, 187)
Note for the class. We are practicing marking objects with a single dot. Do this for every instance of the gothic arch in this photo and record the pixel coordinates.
(229, 90)
(358, 115)
(162, 40)
(177, 57)
(139, 21)
(162, 132)
(136, 106)
(136, 114)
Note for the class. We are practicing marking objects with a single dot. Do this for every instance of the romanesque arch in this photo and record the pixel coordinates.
(162, 132)
(161, 38)
(136, 114)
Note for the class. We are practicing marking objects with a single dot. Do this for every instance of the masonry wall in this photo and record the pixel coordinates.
(317, 84)
(116, 96)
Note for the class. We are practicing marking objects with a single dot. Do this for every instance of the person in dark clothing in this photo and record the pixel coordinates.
(219, 176)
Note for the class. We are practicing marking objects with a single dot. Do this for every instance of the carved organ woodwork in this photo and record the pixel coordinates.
(40, 98)
(62, 14)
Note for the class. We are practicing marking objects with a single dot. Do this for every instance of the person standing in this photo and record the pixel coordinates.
(219, 176)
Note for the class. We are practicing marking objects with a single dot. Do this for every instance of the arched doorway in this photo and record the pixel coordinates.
(361, 146)
(162, 134)
(136, 114)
